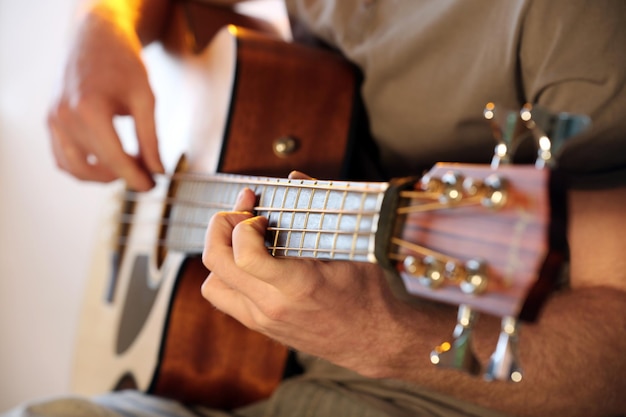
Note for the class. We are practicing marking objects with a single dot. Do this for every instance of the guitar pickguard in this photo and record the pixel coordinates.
(140, 298)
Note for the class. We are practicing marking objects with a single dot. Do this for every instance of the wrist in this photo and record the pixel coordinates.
(143, 20)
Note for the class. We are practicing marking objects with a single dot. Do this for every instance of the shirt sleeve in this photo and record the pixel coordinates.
(573, 59)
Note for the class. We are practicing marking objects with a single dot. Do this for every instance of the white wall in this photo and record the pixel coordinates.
(48, 220)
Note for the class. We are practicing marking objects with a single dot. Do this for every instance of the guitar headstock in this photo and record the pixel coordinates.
(489, 239)
(474, 236)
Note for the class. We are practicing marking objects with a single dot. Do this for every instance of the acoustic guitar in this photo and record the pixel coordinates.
(485, 238)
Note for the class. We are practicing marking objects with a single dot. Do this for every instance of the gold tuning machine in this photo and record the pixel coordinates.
(551, 130)
(507, 127)
(459, 353)
(504, 362)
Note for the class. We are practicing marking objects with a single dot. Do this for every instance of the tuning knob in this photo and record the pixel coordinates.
(504, 362)
(506, 129)
(551, 130)
(459, 354)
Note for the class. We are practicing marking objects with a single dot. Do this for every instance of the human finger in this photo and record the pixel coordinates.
(218, 258)
(297, 175)
(229, 300)
(218, 239)
(108, 151)
(145, 128)
(245, 201)
(251, 255)
(72, 157)
(86, 144)
(218, 252)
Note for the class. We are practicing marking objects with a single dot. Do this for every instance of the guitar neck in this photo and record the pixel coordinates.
(307, 218)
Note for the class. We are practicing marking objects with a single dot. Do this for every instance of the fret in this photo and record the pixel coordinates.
(311, 238)
(279, 222)
(303, 234)
(306, 218)
(313, 211)
(339, 217)
(317, 231)
(271, 221)
(358, 223)
(294, 217)
(321, 223)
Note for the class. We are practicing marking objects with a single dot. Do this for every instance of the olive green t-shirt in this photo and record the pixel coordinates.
(431, 66)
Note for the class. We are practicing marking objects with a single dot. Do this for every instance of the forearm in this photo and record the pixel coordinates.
(572, 358)
(145, 18)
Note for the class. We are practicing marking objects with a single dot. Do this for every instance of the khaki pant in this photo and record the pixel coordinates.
(323, 390)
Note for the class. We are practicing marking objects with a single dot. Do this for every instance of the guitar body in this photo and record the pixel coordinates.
(248, 104)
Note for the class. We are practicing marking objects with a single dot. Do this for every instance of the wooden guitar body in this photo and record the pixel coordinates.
(246, 103)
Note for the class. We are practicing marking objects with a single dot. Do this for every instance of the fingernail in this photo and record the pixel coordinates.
(241, 195)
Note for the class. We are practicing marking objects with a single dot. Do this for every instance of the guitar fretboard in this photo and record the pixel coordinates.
(307, 218)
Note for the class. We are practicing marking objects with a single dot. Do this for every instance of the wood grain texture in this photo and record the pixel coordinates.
(280, 89)
(514, 241)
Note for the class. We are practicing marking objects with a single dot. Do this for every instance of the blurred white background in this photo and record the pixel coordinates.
(48, 220)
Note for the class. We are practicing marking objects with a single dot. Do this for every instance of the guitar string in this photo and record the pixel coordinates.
(128, 219)
(218, 206)
(468, 201)
(199, 246)
(268, 211)
(283, 251)
(242, 180)
(225, 179)
(131, 219)
(131, 196)
(228, 179)
(353, 187)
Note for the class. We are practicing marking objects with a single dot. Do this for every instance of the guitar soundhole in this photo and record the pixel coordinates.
(126, 382)
(162, 245)
(167, 212)
(123, 231)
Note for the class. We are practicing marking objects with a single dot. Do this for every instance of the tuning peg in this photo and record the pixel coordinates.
(459, 354)
(504, 362)
(507, 128)
(551, 130)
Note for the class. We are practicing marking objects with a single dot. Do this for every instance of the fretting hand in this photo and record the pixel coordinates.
(317, 307)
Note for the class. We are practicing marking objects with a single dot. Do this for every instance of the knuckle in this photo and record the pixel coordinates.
(207, 259)
(271, 314)
(79, 107)
(84, 107)
(146, 97)
(61, 164)
(59, 113)
(303, 287)
(246, 261)
(205, 288)
(302, 291)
